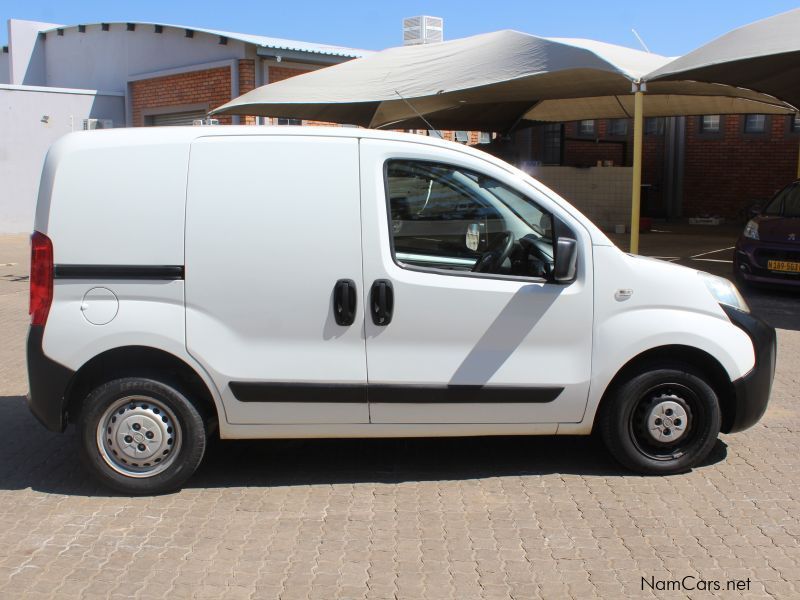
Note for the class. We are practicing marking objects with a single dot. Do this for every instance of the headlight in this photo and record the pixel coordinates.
(724, 292)
(751, 230)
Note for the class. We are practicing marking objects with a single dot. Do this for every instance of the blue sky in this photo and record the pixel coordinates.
(669, 28)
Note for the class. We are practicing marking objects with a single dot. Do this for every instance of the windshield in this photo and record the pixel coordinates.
(786, 203)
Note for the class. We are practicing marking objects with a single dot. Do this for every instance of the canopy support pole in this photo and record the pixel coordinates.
(636, 184)
(798, 162)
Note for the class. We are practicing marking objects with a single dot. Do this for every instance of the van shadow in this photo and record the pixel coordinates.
(31, 457)
(502, 338)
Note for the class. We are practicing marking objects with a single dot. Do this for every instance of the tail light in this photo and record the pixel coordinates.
(41, 278)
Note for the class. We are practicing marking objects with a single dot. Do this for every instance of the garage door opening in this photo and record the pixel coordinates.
(176, 118)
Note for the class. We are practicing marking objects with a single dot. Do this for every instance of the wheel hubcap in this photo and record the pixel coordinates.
(138, 436)
(667, 421)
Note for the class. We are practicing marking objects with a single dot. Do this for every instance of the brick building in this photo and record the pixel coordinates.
(55, 79)
(692, 166)
(165, 73)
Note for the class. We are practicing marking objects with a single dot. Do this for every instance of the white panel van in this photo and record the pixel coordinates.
(253, 282)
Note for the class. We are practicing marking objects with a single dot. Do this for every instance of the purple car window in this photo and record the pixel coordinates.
(786, 203)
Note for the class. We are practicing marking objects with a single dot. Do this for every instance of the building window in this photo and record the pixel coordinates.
(710, 124)
(290, 121)
(586, 127)
(618, 127)
(755, 123)
(654, 126)
(551, 148)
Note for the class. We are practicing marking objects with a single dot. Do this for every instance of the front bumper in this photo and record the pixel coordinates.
(48, 382)
(752, 391)
(750, 259)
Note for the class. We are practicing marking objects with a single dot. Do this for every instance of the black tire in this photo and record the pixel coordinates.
(654, 401)
(145, 404)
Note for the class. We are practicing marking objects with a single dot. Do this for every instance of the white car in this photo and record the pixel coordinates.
(255, 282)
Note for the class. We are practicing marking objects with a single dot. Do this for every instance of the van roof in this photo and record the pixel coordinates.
(101, 139)
(109, 138)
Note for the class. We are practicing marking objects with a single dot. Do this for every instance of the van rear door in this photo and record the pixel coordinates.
(272, 224)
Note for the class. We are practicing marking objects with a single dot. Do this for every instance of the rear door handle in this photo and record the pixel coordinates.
(381, 302)
(344, 302)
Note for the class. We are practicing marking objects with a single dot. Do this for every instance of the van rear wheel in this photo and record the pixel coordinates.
(663, 421)
(141, 436)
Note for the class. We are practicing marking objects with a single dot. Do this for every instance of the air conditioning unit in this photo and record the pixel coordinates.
(98, 124)
(422, 30)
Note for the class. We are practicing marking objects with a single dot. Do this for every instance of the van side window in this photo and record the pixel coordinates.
(446, 217)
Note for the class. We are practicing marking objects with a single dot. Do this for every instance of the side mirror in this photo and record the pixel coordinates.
(566, 260)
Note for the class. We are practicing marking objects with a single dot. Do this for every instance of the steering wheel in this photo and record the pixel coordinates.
(491, 260)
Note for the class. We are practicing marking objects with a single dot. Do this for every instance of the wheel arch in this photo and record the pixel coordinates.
(140, 361)
(677, 354)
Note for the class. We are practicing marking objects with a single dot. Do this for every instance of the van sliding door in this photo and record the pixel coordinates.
(273, 262)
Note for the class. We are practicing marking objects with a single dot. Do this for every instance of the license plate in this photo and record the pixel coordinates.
(783, 265)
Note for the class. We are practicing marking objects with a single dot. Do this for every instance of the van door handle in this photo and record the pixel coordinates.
(382, 302)
(344, 302)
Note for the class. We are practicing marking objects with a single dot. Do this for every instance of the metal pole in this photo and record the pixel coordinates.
(636, 191)
(798, 162)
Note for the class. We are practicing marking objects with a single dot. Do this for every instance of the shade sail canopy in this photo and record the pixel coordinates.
(491, 82)
(762, 56)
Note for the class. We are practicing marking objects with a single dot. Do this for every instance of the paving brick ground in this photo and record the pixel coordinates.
(487, 518)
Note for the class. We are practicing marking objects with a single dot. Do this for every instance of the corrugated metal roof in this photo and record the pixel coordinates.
(257, 40)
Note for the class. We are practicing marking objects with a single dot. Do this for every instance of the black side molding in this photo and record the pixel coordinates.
(162, 272)
(390, 394)
(461, 394)
(249, 391)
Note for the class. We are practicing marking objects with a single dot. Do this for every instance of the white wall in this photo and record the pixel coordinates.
(26, 137)
(104, 60)
(603, 194)
(27, 64)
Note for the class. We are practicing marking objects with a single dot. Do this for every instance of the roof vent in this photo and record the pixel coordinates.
(422, 30)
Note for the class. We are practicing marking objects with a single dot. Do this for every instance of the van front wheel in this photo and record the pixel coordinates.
(661, 422)
(141, 436)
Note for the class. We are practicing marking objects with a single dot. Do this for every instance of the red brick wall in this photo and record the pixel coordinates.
(247, 82)
(210, 86)
(724, 173)
(281, 73)
(586, 151)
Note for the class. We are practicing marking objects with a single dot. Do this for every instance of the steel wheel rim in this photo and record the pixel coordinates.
(139, 436)
(666, 440)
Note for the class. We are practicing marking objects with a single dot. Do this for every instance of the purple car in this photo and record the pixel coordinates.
(768, 251)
